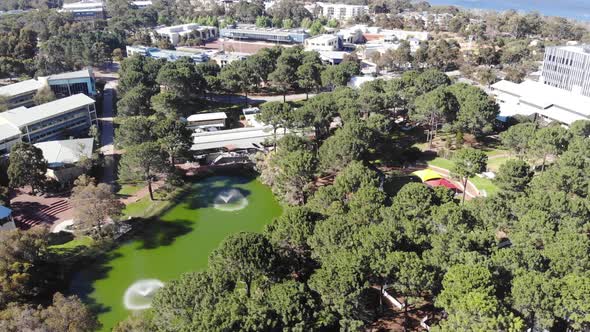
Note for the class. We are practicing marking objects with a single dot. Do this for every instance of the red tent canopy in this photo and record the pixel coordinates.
(442, 183)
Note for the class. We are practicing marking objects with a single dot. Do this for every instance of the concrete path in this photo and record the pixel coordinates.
(107, 133)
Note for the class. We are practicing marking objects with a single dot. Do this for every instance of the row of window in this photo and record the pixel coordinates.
(57, 130)
(81, 112)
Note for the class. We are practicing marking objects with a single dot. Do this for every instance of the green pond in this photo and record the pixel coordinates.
(180, 241)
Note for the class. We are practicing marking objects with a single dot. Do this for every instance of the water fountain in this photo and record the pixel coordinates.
(230, 200)
(140, 294)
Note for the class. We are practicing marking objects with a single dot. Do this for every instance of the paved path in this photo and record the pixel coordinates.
(107, 133)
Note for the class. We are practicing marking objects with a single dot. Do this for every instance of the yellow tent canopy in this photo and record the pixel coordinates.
(427, 175)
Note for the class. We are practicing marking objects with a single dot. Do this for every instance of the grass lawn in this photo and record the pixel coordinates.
(482, 184)
(129, 189)
(441, 162)
(494, 164)
(145, 208)
(77, 242)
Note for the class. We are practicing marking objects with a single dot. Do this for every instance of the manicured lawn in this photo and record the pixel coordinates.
(442, 163)
(77, 242)
(494, 164)
(482, 184)
(129, 189)
(145, 208)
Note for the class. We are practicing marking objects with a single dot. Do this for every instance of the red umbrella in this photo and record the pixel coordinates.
(442, 183)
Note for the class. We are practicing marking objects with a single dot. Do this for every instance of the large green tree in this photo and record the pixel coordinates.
(143, 162)
(245, 257)
(468, 163)
(27, 166)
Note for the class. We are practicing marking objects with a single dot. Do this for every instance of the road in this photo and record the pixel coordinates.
(240, 99)
(107, 133)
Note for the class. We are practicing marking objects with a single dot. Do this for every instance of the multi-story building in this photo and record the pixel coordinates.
(70, 116)
(339, 11)
(21, 93)
(175, 33)
(251, 32)
(323, 43)
(568, 68)
(62, 85)
(168, 55)
(68, 84)
(86, 9)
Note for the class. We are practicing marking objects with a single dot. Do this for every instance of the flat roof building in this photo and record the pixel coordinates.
(251, 32)
(207, 120)
(178, 32)
(70, 116)
(529, 98)
(85, 9)
(168, 55)
(21, 93)
(62, 85)
(241, 138)
(63, 156)
(323, 43)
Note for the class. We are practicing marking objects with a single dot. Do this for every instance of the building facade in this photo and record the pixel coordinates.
(177, 32)
(568, 68)
(69, 84)
(70, 116)
(168, 55)
(86, 9)
(250, 32)
(340, 11)
(62, 85)
(323, 43)
(21, 93)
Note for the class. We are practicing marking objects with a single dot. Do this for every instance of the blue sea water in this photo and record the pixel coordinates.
(575, 9)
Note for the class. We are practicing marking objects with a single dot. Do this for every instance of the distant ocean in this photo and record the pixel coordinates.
(575, 9)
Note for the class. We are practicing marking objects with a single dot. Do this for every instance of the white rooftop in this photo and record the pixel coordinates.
(582, 49)
(66, 151)
(84, 73)
(182, 28)
(83, 4)
(237, 138)
(207, 116)
(20, 88)
(23, 116)
(8, 130)
(552, 102)
(322, 38)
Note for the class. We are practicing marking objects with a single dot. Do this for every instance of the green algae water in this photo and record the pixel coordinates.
(180, 241)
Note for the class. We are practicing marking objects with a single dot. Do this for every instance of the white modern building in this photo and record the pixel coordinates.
(206, 121)
(70, 116)
(177, 32)
(246, 32)
(86, 9)
(338, 11)
(241, 138)
(568, 68)
(62, 85)
(323, 43)
(550, 103)
(142, 4)
(21, 93)
(168, 55)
